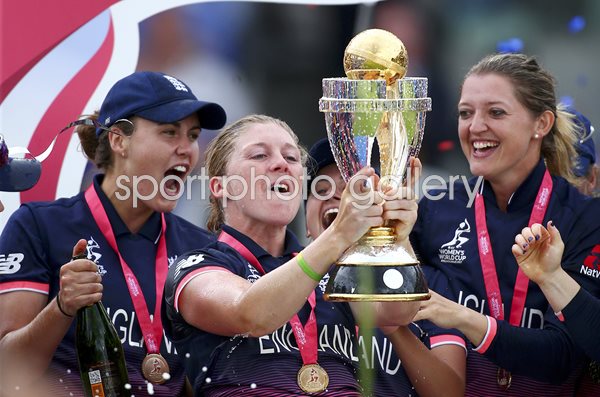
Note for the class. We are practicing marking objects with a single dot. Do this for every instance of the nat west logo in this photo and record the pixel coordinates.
(451, 252)
(11, 263)
(591, 264)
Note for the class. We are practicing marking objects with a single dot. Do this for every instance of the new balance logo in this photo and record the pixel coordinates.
(11, 263)
(188, 262)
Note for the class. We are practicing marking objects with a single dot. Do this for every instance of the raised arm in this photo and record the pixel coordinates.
(538, 251)
(223, 303)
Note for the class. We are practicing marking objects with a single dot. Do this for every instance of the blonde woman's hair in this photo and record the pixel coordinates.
(534, 87)
(218, 155)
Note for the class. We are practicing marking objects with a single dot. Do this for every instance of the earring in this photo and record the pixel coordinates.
(536, 136)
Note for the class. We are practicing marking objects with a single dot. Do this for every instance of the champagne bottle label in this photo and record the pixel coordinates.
(96, 383)
(105, 380)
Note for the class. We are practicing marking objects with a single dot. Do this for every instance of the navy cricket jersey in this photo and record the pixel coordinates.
(265, 366)
(390, 378)
(39, 239)
(445, 237)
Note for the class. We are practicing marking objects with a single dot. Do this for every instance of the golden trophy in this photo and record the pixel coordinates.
(375, 100)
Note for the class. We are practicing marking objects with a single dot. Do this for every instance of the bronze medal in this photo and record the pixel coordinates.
(504, 378)
(154, 367)
(312, 378)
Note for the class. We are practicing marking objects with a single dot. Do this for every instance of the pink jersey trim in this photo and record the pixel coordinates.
(11, 286)
(441, 340)
(560, 316)
(490, 334)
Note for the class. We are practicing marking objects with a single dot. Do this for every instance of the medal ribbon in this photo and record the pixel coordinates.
(488, 264)
(151, 328)
(306, 337)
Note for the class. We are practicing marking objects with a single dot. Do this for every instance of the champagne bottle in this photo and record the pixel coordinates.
(100, 353)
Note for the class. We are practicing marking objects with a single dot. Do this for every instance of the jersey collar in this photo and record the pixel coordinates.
(150, 230)
(526, 193)
(292, 246)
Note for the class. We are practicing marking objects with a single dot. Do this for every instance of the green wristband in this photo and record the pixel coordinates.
(307, 269)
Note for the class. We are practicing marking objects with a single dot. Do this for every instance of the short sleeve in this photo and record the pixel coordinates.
(23, 260)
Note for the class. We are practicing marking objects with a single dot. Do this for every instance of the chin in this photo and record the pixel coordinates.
(164, 205)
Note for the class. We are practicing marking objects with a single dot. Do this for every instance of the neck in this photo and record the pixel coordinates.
(134, 218)
(505, 186)
(270, 238)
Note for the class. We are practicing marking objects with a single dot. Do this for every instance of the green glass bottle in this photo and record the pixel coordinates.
(100, 354)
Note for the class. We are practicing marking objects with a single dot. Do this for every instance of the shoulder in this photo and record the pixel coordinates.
(569, 196)
(50, 212)
(216, 254)
(183, 229)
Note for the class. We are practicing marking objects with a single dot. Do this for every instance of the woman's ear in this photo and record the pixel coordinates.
(118, 142)
(544, 123)
(216, 187)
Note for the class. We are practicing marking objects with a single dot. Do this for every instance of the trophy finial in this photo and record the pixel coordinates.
(376, 54)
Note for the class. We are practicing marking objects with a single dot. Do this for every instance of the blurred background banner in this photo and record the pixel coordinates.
(58, 60)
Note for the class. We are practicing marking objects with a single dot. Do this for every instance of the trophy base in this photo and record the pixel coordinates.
(376, 268)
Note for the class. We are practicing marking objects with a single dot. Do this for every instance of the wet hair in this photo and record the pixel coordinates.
(534, 88)
(219, 152)
(97, 148)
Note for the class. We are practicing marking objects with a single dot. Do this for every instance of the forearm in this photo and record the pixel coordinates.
(582, 319)
(559, 289)
(26, 352)
(428, 373)
(472, 324)
(288, 286)
(548, 354)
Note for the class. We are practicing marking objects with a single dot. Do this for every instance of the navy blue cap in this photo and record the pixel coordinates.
(585, 147)
(157, 97)
(319, 156)
(17, 175)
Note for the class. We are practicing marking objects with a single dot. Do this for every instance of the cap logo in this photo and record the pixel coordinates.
(176, 83)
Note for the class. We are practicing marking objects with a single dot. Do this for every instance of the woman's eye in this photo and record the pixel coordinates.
(497, 112)
(463, 114)
(170, 132)
(258, 156)
(291, 159)
(194, 136)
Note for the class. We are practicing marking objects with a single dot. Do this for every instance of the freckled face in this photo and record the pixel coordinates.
(263, 183)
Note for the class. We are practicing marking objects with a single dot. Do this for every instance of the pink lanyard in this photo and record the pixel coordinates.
(151, 328)
(306, 336)
(488, 264)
